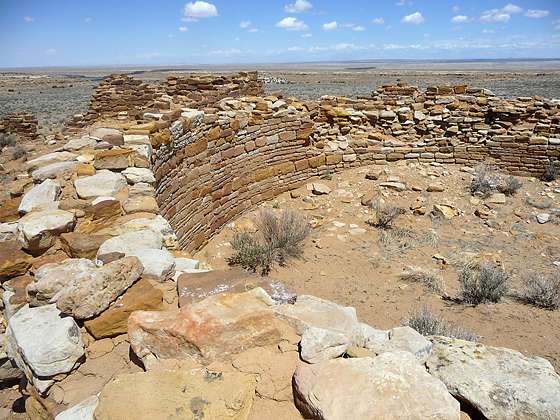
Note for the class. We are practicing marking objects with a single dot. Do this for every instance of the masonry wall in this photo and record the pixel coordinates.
(23, 124)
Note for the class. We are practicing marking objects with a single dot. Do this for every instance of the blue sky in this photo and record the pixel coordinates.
(101, 32)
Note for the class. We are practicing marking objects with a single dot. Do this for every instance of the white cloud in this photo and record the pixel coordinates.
(299, 6)
(307, 35)
(404, 2)
(292, 24)
(253, 30)
(29, 19)
(460, 19)
(415, 18)
(330, 26)
(536, 13)
(358, 28)
(88, 20)
(183, 29)
(244, 24)
(502, 15)
(378, 21)
(50, 51)
(456, 9)
(488, 31)
(199, 9)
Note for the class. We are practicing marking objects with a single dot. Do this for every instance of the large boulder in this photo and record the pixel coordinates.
(497, 383)
(53, 170)
(130, 242)
(13, 261)
(392, 385)
(79, 143)
(48, 159)
(320, 344)
(86, 299)
(41, 197)
(208, 330)
(177, 394)
(51, 279)
(58, 350)
(103, 183)
(141, 296)
(37, 231)
(158, 264)
(136, 175)
(80, 245)
(402, 338)
(196, 286)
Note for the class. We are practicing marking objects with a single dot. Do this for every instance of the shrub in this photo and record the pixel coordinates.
(543, 292)
(384, 214)
(428, 323)
(279, 236)
(7, 139)
(428, 279)
(485, 181)
(510, 186)
(18, 152)
(551, 171)
(481, 283)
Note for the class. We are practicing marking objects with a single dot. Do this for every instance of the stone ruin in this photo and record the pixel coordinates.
(94, 257)
(22, 124)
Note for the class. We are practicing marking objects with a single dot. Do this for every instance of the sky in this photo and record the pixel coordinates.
(120, 32)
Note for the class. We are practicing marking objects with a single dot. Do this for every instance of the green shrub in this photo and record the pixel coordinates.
(543, 292)
(481, 283)
(18, 152)
(428, 323)
(279, 236)
(551, 171)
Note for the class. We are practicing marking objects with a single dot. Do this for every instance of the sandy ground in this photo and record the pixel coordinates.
(344, 260)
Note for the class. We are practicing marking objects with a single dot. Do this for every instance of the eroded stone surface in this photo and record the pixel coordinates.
(37, 231)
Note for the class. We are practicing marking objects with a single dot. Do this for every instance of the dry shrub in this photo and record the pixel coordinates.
(279, 236)
(481, 283)
(384, 214)
(541, 291)
(7, 140)
(18, 152)
(485, 180)
(551, 171)
(510, 186)
(432, 281)
(427, 323)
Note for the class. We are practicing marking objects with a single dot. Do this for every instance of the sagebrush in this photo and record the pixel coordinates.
(510, 186)
(384, 215)
(542, 291)
(485, 180)
(482, 283)
(7, 140)
(279, 236)
(551, 171)
(428, 323)
(430, 280)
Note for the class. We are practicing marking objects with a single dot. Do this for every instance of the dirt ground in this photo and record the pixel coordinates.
(345, 261)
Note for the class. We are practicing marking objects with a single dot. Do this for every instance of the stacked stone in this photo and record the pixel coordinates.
(203, 90)
(23, 124)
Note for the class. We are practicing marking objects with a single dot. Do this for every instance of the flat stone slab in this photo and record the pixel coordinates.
(103, 183)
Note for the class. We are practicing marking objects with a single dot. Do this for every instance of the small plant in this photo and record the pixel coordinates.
(510, 186)
(327, 175)
(485, 181)
(279, 236)
(428, 279)
(543, 292)
(384, 215)
(7, 139)
(428, 323)
(481, 283)
(18, 152)
(551, 171)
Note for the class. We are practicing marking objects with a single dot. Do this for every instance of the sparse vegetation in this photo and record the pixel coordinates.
(427, 323)
(482, 283)
(7, 140)
(430, 280)
(510, 186)
(279, 236)
(551, 171)
(542, 291)
(327, 175)
(18, 152)
(485, 181)
(384, 214)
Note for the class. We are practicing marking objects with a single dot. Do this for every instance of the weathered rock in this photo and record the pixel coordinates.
(136, 175)
(183, 394)
(444, 211)
(320, 189)
(84, 300)
(543, 218)
(216, 327)
(13, 261)
(498, 383)
(81, 411)
(52, 278)
(397, 186)
(80, 245)
(392, 385)
(8, 232)
(37, 231)
(15, 295)
(103, 183)
(59, 350)
(41, 197)
(319, 344)
(115, 159)
(193, 287)
(158, 264)
(79, 143)
(141, 296)
(130, 242)
(49, 158)
(53, 170)
(496, 198)
(405, 339)
(140, 203)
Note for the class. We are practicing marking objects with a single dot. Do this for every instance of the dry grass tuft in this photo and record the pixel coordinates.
(429, 279)
(384, 215)
(427, 323)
